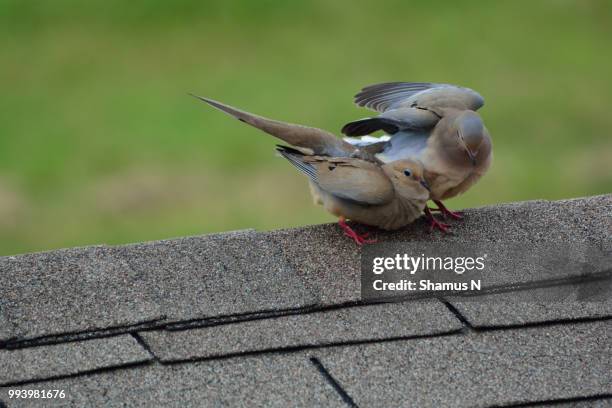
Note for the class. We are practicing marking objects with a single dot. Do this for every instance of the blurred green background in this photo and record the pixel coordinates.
(99, 142)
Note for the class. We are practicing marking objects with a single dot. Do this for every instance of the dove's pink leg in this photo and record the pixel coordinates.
(433, 223)
(359, 239)
(446, 212)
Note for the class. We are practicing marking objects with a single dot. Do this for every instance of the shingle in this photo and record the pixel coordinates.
(37, 363)
(100, 287)
(217, 275)
(564, 302)
(353, 324)
(270, 381)
(324, 259)
(588, 217)
(69, 291)
(478, 370)
(584, 219)
(330, 264)
(594, 403)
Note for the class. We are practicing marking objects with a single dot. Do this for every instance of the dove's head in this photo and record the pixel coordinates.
(407, 178)
(470, 134)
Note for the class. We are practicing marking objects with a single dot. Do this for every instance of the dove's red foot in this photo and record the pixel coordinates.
(456, 215)
(447, 213)
(433, 223)
(359, 239)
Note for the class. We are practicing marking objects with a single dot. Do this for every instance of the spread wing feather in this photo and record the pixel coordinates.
(390, 95)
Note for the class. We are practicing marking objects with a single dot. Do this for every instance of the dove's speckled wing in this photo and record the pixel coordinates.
(357, 180)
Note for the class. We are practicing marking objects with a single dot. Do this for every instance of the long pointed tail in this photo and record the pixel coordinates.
(317, 140)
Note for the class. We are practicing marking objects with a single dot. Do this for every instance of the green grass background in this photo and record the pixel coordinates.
(99, 142)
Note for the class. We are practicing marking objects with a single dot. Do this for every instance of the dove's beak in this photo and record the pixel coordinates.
(472, 156)
(424, 184)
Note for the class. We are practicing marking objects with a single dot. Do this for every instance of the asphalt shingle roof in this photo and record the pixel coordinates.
(519, 308)
(274, 380)
(486, 369)
(276, 318)
(32, 363)
(345, 325)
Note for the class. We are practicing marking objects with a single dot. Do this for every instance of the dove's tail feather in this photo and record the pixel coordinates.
(319, 141)
(368, 126)
(270, 126)
(295, 157)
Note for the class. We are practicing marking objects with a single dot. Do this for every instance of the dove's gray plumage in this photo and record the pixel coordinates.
(433, 123)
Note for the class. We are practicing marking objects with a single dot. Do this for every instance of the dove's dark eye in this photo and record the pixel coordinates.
(407, 173)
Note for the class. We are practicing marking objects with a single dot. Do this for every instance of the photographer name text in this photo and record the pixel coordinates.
(404, 263)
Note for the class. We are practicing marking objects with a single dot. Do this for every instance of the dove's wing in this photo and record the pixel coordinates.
(409, 106)
(392, 95)
(357, 180)
(404, 145)
(393, 120)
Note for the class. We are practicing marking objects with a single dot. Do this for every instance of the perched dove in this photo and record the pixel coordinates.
(386, 195)
(436, 124)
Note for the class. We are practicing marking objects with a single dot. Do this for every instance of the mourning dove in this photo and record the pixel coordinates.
(385, 195)
(436, 124)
